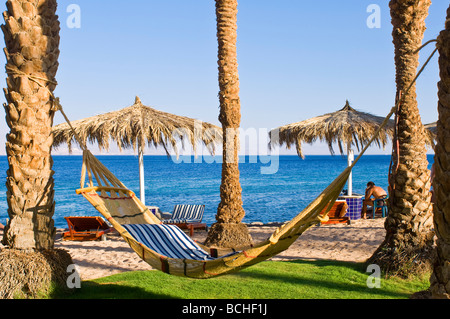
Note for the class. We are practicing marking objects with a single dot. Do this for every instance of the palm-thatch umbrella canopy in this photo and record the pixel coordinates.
(432, 127)
(136, 126)
(346, 127)
(431, 130)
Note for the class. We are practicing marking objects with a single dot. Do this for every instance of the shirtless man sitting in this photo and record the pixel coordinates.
(375, 191)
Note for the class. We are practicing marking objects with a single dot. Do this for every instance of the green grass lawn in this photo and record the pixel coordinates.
(267, 280)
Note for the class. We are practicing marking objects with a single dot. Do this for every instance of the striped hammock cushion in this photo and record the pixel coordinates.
(167, 240)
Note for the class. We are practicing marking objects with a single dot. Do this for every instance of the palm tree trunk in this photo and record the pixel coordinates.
(229, 231)
(409, 234)
(440, 279)
(31, 33)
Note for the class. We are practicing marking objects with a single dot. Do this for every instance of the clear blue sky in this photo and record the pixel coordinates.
(297, 59)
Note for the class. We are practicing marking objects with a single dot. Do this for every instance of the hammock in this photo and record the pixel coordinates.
(167, 248)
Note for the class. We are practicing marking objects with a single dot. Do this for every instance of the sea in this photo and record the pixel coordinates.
(273, 190)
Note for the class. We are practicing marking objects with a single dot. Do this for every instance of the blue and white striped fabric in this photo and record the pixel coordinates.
(167, 240)
(186, 214)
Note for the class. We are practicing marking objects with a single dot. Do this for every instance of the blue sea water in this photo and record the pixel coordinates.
(274, 197)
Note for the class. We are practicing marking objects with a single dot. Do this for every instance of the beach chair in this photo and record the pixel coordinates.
(187, 217)
(337, 213)
(86, 228)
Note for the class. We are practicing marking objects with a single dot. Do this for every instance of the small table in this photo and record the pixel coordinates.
(354, 206)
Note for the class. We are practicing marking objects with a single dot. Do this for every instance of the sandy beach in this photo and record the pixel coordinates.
(353, 243)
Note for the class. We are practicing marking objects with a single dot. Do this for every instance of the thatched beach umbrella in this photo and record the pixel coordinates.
(138, 125)
(431, 130)
(346, 127)
(432, 127)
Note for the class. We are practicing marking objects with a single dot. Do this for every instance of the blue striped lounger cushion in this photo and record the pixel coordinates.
(167, 240)
(180, 221)
(186, 214)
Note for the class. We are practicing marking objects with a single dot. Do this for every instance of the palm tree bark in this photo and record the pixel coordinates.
(409, 226)
(229, 231)
(440, 279)
(31, 33)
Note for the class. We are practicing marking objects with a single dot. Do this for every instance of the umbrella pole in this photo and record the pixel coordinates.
(141, 174)
(349, 163)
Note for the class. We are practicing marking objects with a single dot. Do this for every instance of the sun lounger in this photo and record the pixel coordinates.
(86, 228)
(187, 217)
(337, 213)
